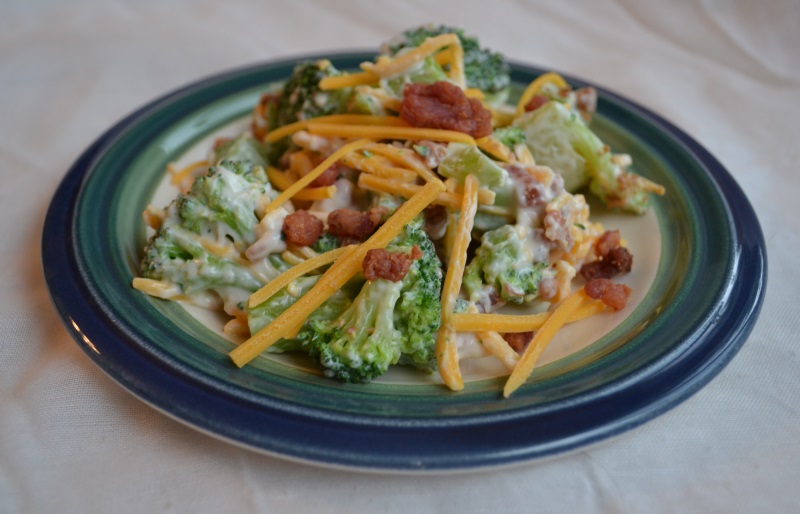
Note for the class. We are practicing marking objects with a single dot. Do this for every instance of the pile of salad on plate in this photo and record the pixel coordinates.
(372, 218)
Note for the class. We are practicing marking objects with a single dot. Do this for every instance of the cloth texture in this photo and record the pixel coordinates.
(72, 440)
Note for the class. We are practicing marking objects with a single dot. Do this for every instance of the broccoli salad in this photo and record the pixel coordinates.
(386, 216)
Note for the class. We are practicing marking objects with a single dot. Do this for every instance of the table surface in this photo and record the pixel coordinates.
(71, 440)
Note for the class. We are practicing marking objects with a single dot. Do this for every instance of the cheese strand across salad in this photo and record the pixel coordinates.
(370, 219)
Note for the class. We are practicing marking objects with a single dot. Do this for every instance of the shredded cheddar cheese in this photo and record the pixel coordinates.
(536, 85)
(348, 80)
(543, 336)
(293, 273)
(392, 67)
(380, 167)
(446, 346)
(301, 183)
(343, 119)
(497, 149)
(387, 132)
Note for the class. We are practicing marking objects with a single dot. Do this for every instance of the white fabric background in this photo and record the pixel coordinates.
(71, 440)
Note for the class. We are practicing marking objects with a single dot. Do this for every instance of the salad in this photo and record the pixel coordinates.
(386, 216)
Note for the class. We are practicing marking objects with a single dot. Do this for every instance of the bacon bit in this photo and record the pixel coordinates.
(350, 224)
(614, 295)
(518, 340)
(608, 241)
(328, 177)
(586, 100)
(380, 263)
(435, 221)
(536, 102)
(442, 105)
(613, 259)
(302, 228)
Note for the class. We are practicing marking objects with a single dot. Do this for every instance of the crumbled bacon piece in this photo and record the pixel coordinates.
(350, 224)
(442, 105)
(380, 263)
(302, 228)
(434, 152)
(586, 100)
(328, 177)
(536, 102)
(620, 258)
(609, 240)
(614, 295)
(548, 288)
(613, 259)
(518, 340)
(435, 221)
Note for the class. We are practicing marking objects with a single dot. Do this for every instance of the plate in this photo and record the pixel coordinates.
(704, 297)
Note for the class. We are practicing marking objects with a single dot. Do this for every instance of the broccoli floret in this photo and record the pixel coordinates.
(462, 160)
(559, 138)
(199, 243)
(229, 193)
(178, 256)
(263, 314)
(387, 323)
(483, 69)
(503, 266)
(242, 148)
(302, 99)
(509, 136)
(326, 243)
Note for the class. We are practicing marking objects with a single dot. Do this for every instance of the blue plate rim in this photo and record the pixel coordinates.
(157, 383)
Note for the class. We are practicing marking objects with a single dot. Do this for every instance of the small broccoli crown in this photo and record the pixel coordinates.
(326, 243)
(419, 312)
(362, 343)
(242, 148)
(301, 97)
(509, 136)
(263, 314)
(199, 243)
(177, 255)
(483, 69)
(503, 267)
(561, 140)
(228, 193)
(388, 322)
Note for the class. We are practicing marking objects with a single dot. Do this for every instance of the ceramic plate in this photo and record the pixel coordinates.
(700, 253)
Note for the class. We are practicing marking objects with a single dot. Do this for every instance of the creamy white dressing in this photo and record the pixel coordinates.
(269, 236)
(342, 199)
(469, 346)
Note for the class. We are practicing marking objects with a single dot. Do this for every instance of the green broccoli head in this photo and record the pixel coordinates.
(483, 69)
(326, 243)
(199, 244)
(242, 148)
(509, 136)
(560, 139)
(503, 267)
(178, 256)
(301, 97)
(387, 323)
(223, 202)
(263, 314)
(462, 160)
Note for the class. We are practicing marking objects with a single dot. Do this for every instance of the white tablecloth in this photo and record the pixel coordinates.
(71, 440)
